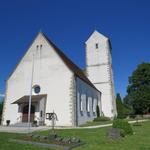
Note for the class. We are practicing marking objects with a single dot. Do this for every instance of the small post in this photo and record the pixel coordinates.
(53, 123)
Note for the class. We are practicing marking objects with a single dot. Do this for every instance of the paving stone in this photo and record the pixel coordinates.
(66, 140)
(36, 136)
(75, 140)
(58, 139)
(43, 137)
(52, 136)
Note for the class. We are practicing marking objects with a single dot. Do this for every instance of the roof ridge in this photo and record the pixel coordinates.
(72, 66)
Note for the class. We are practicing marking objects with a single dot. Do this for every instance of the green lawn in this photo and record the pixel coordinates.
(95, 139)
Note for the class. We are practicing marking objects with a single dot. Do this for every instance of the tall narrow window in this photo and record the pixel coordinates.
(37, 47)
(96, 45)
(88, 106)
(81, 105)
(41, 113)
(41, 46)
(86, 103)
(92, 104)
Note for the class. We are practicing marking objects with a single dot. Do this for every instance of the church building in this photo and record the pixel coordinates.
(54, 83)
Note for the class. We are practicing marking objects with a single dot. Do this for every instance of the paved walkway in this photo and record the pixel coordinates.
(12, 129)
(42, 128)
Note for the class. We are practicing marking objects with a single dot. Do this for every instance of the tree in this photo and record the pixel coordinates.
(120, 107)
(97, 111)
(1, 108)
(139, 89)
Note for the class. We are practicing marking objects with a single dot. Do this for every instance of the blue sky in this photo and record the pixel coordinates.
(69, 23)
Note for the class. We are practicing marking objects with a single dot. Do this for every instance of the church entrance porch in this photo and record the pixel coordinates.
(38, 105)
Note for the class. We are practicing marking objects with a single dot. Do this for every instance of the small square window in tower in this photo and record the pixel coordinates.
(96, 45)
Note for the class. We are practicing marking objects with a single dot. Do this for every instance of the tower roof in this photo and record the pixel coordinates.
(97, 35)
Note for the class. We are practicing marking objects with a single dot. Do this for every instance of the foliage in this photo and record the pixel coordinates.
(101, 119)
(122, 133)
(97, 111)
(123, 110)
(139, 89)
(120, 107)
(1, 108)
(123, 124)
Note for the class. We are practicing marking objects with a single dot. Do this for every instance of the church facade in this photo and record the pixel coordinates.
(59, 85)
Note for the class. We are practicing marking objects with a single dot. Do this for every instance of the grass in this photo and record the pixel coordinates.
(95, 139)
(6, 145)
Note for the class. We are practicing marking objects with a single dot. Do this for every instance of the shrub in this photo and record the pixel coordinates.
(101, 119)
(124, 125)
(120, 107)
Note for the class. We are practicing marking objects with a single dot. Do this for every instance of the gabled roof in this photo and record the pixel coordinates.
(73, 67)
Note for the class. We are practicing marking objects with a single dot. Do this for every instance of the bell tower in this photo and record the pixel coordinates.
(99, 70)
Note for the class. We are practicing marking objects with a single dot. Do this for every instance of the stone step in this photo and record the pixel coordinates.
(22, 124)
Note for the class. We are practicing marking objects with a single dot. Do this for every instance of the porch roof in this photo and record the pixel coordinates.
(25, 99)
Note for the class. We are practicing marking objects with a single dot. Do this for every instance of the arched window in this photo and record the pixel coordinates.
(94, 105)
(41, 113)
(37, 47)
(81, 104)
(88, 104)
(41, 46)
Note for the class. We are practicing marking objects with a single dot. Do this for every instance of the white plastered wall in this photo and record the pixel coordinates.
(50, 73)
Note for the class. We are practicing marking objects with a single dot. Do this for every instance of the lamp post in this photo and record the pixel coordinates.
(30, 96)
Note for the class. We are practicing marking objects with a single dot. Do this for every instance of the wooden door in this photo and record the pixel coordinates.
(25, 113)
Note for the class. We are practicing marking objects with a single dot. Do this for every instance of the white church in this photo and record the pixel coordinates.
(59, 85)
